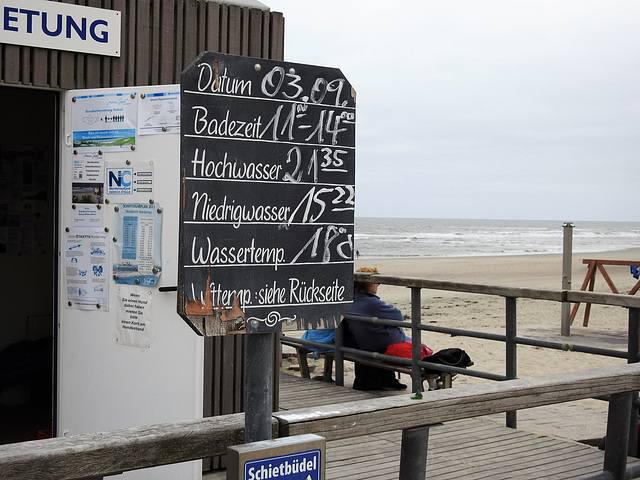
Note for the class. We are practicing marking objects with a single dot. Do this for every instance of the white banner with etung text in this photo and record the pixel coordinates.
(60, 26)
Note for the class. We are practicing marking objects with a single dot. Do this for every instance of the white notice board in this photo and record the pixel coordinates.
(132, 361)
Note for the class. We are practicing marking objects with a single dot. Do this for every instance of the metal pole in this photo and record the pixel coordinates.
(416, 340)
(258, 388)
(413, 453)
(567, 253)
(339, 355)
(512, 352)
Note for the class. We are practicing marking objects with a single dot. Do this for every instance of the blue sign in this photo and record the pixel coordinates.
(296, 466)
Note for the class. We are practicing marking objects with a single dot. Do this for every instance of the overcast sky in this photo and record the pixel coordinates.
(512, 109)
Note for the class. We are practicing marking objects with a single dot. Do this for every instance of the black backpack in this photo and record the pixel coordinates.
(453, 357)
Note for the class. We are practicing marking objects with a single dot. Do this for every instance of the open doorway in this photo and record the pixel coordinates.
(28, 197)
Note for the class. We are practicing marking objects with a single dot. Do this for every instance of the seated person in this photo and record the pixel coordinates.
(388, 340)
(374, 338)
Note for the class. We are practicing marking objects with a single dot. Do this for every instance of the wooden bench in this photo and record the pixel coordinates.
(303, 353)
(442, 380)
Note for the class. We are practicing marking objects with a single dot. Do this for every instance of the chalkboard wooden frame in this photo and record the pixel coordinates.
(267, 195)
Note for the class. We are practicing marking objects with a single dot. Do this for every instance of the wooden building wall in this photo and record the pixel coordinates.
(159, 39)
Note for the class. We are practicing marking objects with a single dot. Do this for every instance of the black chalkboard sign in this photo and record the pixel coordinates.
(267, 195)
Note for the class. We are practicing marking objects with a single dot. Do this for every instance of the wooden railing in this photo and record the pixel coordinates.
(511, 295)
(106, 453)
(510, 338)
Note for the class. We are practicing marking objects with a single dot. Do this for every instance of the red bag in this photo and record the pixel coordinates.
(403, 349)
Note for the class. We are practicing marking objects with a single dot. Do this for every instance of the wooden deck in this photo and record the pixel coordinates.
(466, 449)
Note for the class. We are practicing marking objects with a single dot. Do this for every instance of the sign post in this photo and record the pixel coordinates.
(258, 392)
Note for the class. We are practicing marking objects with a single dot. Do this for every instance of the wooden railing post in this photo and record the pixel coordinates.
(511, 353)
(615, 454)
(416, 339)
(413, 453)
(567, 249)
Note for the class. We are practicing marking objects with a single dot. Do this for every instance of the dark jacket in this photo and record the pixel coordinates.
(367, 336)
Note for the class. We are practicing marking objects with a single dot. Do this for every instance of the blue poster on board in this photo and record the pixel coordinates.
(137, 244)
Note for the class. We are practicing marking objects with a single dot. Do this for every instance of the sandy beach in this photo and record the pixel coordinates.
(607, 325)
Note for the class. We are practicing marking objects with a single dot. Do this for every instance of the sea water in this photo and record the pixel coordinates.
(426, 237)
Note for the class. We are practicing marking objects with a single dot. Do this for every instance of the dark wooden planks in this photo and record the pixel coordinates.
(466, 449)
(298, 392)
(470, 448)
(159, 38)
(485, 450)
(461, 449)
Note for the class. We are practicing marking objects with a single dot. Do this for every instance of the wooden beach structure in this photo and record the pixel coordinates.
(365, 433)
(595, 266)
(368, 434)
